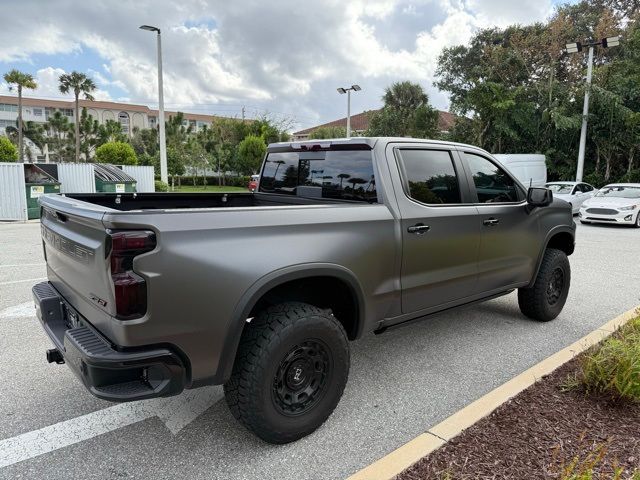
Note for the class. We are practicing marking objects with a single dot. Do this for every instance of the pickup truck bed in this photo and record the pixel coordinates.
(124, 202)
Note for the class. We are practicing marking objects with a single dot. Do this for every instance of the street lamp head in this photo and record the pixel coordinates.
(356, 88)
(150, 28)
(342, 90)
(610, 42)
(574, 47)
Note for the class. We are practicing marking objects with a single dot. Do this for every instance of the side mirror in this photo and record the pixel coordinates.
(539, 197)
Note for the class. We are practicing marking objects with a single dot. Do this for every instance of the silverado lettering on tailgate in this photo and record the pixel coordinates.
(66, 246)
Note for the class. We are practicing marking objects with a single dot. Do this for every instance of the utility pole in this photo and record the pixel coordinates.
(243, 113)
(575, 48)
(355, 88)
(164, 176)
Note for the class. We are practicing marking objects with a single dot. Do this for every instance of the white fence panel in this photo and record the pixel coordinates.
(76, 178)
(145, 177)
(13, 196)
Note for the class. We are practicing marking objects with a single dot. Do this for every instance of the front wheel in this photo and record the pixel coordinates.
(544, 300)
(290, 371)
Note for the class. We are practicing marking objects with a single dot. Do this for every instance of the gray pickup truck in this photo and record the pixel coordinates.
(149, 294)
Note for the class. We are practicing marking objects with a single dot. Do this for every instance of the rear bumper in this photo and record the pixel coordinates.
(108, 372)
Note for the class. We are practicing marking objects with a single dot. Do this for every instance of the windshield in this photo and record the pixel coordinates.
(560, 188)
(618, 191)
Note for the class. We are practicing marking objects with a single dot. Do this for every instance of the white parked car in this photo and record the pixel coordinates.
(614, 203)
(573, 192)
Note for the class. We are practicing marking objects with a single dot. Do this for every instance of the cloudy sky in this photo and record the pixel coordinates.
(285, 57)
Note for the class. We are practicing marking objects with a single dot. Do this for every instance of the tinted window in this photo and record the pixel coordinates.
(492, 183)
(430, 177)
(345, 175)
(561, 188)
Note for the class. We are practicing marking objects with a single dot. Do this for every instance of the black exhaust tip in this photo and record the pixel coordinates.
(54, 356)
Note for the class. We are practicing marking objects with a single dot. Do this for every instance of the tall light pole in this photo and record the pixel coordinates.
(163, 142)
(355, 88)
(575, 48)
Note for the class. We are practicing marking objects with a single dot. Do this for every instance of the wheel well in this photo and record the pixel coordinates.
(562, 241)
(323, 292)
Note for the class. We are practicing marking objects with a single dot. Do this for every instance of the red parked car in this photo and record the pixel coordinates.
(253, 183)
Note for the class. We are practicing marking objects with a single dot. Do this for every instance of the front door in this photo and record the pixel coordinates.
(440, 233)
(510, 242)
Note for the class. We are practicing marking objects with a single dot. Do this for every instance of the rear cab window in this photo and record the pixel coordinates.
(429, 176)
(339, 173)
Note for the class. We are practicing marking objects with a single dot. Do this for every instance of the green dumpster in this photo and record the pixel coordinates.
(37, 183)
(110, 179)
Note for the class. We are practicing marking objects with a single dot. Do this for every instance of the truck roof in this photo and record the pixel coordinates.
(369, 141)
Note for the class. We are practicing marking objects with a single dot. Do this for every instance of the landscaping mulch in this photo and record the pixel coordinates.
(538, 433)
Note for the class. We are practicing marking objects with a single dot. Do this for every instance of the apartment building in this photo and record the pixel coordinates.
(128, 115)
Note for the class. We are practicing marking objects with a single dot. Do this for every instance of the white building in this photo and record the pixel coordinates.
(129, 115)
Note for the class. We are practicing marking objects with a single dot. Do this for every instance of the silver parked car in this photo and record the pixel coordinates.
(614, 203)
(573, 192)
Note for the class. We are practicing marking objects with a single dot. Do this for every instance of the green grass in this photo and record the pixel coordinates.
(613, 366)
(207, 189)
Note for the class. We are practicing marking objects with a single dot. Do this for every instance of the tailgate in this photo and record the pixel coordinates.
(76, 250)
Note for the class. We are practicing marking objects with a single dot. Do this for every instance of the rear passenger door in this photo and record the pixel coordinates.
(510, 240)
(440, 232)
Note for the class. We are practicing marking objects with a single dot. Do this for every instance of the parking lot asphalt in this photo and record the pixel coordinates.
(401, 383)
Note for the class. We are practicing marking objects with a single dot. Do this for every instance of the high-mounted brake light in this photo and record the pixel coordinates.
(130, 288)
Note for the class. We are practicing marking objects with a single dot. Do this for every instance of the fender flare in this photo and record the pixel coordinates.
(271, 280)
(554, 231)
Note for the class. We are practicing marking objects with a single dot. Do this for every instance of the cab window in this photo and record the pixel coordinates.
(493, 184)
(429, 176)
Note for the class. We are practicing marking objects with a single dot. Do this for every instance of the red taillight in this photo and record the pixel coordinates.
(130, 288)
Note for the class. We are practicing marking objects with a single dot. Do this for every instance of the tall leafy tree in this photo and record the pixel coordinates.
(19, 80)
(58, 130)
(517, 92)
(406, 113)
(251, 152)
(79, 84)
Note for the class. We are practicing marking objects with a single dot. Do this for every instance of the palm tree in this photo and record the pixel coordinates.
(78, 83)
(21, 80)
(342, 176)
(405, 96)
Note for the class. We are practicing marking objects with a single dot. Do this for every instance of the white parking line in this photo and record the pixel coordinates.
(24, 265)
(26, 309)
(22, 281)
(176, 413)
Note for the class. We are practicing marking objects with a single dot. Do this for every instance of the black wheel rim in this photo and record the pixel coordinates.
(301, 378)
(555, 286)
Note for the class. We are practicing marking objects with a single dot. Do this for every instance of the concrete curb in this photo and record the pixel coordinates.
(402, 458)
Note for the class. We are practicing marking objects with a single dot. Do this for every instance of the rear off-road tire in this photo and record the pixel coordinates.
(289, 373)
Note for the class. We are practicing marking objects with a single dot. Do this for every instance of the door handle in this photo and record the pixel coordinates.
(490, 222)
(419, 229)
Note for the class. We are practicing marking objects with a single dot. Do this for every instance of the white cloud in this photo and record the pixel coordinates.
(281, 56)
(48, 81)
